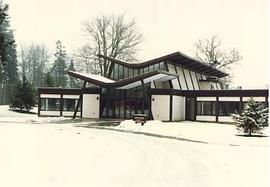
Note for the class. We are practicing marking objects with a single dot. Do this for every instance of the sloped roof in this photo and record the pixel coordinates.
(124, 83)
(179, 59)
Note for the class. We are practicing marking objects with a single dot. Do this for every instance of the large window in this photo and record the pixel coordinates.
(206, 108)
(70, 105)
(50, 104)
(228, 108)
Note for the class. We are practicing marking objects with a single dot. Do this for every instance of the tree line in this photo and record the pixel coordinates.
(109, 35)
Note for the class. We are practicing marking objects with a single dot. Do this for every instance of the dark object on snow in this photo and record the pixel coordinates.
(139, 118)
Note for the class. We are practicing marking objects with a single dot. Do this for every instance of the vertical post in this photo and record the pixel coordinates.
(107, 102)
(79, 100)
(241, 104)
(61, 104)
(125, 103)
(39, 104)
(171, 107)
(143, 96)
(217, 108)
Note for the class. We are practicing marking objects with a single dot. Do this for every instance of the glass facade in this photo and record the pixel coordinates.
(122, 104)
(228, 108)
(54, 104)
(122, 72)
(206, 108)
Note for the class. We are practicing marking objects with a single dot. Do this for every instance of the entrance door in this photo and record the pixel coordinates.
(190, 109)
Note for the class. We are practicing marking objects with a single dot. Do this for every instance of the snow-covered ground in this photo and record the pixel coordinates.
(41, 152)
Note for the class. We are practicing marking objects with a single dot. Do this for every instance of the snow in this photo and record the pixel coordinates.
(95, 77)
(45, 153)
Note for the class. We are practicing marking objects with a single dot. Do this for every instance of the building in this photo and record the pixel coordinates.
(170, 88)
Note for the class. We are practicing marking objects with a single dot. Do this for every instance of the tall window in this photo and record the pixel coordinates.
(228, 108)
(50, 104)
(206, 108)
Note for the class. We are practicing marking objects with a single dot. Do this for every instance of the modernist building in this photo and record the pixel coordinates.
(171, 88)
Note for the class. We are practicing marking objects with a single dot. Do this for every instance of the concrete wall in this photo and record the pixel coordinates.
(161, 107)
(90, 107)
(178, 109)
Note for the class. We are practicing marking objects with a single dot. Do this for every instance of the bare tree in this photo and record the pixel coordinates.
(33, 61)
(209, 51)
(110, 36)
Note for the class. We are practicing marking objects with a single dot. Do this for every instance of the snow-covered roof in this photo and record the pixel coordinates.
(127, 83)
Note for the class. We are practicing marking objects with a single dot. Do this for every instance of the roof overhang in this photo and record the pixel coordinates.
(127, 83)
(177, 58)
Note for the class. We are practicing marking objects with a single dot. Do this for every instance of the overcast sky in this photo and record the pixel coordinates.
(167, 25)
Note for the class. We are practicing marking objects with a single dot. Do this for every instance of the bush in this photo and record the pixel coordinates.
(24, 96)
(253, 118)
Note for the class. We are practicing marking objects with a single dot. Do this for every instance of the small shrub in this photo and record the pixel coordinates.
(253, 118)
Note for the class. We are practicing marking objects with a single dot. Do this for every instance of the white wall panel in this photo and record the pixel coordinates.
(175, 82)
(50, 96)
(229, 98)
(71, 96)
(188, 78)
(178, 108)
(50, 113)
(261, 99)
(91, 105)
(195, 81)
(225, 119)
(206, 99)
(181, 78)
(206, 118)
(161, 107)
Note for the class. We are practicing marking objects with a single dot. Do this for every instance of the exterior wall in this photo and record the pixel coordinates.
(90, 107)
(260, 99)
(229, 98)
(226, 119)
(178, 108)
(188, 78)
(181, 77)
(161, 107)
(175, 82)
(50, 113)
(56, 96)
(206, 118)
(205, 85)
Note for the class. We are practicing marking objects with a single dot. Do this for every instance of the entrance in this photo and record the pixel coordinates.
(122, 104)
(190, 108)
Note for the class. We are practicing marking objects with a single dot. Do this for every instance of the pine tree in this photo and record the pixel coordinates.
(24, 96)
(59, 66)
(253, 118)
(72, 82)
(49, 81)
(8, 56)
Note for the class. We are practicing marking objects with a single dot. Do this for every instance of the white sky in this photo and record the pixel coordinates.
(168, 26)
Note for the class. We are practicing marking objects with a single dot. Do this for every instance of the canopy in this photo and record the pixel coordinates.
(127, 83)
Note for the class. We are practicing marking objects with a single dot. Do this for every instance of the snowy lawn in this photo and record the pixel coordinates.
(58, 152)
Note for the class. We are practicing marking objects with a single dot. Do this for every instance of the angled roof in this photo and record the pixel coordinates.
(127, 83)
(179, 59)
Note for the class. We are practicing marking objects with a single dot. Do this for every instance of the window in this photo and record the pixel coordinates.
(228, 108)
(50, 104)
(206, 108)
(70, 104)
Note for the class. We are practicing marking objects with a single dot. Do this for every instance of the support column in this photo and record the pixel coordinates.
(171, 106)
(61, 104)
(143, 103)
(217, 108)
(79, 101)
(39, 104)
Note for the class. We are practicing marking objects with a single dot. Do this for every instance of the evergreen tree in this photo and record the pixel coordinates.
(8, 56)
(72, 82)
(24, 96)
(49, 81)
(253, 118)
(59, 66)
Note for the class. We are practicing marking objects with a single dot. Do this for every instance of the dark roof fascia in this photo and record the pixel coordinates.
(68, 91)
(122, 82)
(212, 93)
(130, 80)
(171, 57)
